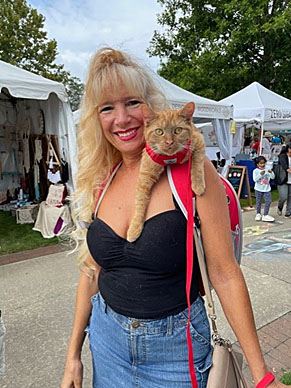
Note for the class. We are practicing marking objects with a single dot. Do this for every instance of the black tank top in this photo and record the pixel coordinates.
(145, 279)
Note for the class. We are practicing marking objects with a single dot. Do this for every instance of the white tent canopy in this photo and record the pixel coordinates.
(204, 107)
(257, 104)
(24, 94)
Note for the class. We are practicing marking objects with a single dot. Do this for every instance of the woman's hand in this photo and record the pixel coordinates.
(73, 375)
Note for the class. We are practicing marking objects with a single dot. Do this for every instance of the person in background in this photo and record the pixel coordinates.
(266, 143)
(282, 139)
(131, 297)
(261, 177)
(247, 144)
(256, 145)
(285, 189)
(276, 146)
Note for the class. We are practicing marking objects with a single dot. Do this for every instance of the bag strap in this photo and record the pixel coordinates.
(204, 277)
(105, 187)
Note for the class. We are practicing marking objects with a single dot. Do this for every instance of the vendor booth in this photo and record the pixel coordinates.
(258, 105)
(217, 114)
(37, 138)
(259, 108)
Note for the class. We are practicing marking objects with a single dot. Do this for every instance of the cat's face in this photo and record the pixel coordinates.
(169, 131)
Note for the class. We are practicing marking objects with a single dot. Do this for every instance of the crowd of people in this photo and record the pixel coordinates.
(275, 147)
(272, 144)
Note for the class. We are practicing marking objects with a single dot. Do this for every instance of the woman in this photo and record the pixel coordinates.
(138, 320)
(285, 189)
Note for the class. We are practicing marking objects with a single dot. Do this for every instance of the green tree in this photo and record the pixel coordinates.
(216, 47)
(24, 43)
(75, 90)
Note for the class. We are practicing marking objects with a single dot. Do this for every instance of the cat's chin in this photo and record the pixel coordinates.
(169, 152)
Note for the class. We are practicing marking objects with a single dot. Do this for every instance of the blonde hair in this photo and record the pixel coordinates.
(96, 156)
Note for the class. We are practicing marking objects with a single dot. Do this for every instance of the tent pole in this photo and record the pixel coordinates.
(261, 137)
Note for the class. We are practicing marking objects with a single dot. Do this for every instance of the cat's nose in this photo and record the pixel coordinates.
(169, 142)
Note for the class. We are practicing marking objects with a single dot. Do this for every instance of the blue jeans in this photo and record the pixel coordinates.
(145, 353)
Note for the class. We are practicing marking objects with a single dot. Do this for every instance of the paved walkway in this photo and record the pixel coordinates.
(37, 299)
(267, 249)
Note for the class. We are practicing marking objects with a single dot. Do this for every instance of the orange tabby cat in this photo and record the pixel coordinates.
(170, 133)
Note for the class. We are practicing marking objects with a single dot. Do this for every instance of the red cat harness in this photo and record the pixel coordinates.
(165, 160)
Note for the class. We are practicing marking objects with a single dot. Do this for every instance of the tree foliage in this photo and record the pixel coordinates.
(24, 43)
(216, 47)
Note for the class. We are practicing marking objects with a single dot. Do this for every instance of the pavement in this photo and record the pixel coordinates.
(37, 294)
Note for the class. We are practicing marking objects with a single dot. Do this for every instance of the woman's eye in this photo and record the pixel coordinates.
(105, 109)
(177, 130)
(159, 132)
(133, 102)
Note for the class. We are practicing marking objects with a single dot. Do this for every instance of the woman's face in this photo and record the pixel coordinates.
(122, 121)
(289, 152)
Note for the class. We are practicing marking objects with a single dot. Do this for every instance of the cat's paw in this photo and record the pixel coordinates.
(133, 233)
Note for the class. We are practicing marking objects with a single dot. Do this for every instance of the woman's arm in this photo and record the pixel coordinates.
(88, 286)
(224, 272)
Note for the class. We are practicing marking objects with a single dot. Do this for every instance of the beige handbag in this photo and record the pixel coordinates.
(226, 369)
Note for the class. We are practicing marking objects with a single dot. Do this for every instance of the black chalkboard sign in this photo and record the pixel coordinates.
(238, 177)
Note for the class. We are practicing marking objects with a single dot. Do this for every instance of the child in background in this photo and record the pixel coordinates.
(262, 177)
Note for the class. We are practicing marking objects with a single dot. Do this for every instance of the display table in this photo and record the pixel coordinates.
(26, 214)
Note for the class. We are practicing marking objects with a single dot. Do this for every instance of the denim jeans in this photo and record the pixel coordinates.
(144, 353)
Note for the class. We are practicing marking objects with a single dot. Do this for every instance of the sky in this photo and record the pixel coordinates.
(82, 27)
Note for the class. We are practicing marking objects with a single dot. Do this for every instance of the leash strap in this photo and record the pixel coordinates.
(189, 271)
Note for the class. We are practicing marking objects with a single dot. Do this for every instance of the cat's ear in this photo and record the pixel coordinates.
(187, 111)
(148, 113)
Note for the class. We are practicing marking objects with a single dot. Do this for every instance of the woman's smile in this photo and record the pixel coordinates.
(127, 135)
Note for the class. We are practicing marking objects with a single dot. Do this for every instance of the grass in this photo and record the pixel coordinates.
(244, 202)
(286, 378)
(16, 237)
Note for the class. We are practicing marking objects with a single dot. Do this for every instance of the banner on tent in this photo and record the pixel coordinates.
(207, 110)
(275, 114)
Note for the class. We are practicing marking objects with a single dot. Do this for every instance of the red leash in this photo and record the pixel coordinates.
(189, 271)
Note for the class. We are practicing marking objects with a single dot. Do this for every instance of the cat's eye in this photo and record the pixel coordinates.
(159, 131)
(177, 130)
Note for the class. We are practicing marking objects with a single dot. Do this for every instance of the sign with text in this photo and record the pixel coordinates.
(238, 177)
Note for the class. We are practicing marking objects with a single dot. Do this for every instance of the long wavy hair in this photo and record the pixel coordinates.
(108, 70)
